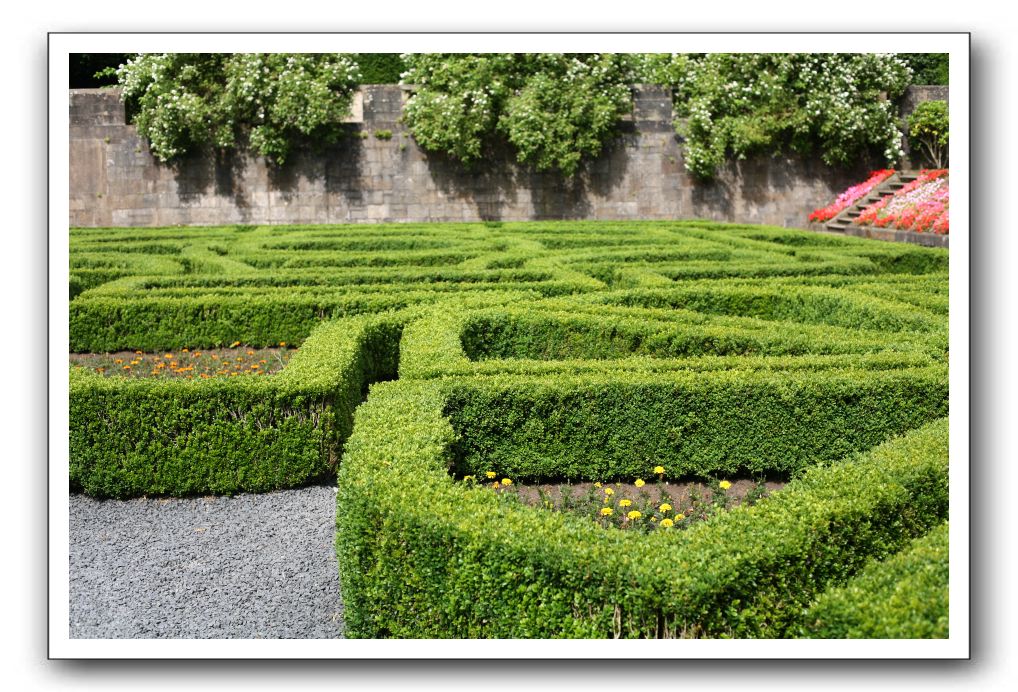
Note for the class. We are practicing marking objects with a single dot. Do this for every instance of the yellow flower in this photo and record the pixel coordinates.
(467, 478)
(665, 507)
(680, 517)
(667, 523)
(184, 350)
(168, 356)
(597, 485)
(639, 483)
(118, 361)
(506, 481)
(654, 519)
(659, 470)
(634, 515)
(609, 491)
(606, 511)
(282, 343)
(489, 474)
(625, 503)
(724, 485)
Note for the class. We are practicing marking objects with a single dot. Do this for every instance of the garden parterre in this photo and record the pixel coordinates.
(545, 351)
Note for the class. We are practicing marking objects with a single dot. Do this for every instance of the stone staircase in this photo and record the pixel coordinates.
(894, 183)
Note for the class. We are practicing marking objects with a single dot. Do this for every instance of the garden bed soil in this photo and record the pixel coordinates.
(677, 493)
(203, 363)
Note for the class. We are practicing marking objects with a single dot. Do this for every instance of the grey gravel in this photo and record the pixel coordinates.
(249, 566)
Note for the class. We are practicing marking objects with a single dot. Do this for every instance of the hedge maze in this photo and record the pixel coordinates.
(547, 351)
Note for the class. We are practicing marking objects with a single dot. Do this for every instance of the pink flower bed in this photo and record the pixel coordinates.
(850, 196)
(922, 205)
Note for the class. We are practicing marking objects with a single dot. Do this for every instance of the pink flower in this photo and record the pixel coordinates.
(922, 205)
(850, 196)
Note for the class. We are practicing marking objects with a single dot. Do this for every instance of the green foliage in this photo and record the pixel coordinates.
(379, 68)
(598, 425)
(737, 105)
(905, 596)
(554, 109)
(928, 68)
(383, 134)
(186, 101)
(929, 128)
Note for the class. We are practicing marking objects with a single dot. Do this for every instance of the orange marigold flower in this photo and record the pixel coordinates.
(118, 361)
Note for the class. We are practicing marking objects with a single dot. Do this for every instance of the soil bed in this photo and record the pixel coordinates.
(204, 363)
(646, 507)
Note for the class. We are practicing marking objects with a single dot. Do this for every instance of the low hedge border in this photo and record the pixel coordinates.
(423, 556)
(527, 336)
(905, 596)
(106, 320)
(611, 426)
(132, 437)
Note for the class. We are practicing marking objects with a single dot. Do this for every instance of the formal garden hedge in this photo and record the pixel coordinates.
(542, 352)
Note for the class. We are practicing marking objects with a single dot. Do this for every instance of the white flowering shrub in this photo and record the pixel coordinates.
(554, 109)
(185, 101)
(839, 105)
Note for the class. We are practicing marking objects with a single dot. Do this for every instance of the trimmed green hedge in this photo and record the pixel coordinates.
(522, 338)
(601, 426)
(424, 556)
(905, 596)
(547, 350)
(141, 436)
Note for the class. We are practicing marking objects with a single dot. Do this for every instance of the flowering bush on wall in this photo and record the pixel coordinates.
(554, 109)
(922, 205)
(186, 101)
(850, 196)
(839, 105)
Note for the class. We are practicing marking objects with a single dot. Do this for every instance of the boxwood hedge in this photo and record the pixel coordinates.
(138, 436)
(905, 596)
(544, 351)
(422, 555)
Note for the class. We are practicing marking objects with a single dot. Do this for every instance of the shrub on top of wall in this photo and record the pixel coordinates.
(182, 102)
(554, 109)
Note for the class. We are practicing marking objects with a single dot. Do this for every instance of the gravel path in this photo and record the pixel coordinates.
(249, 566)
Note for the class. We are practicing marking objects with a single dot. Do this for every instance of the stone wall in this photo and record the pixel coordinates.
(115, 181)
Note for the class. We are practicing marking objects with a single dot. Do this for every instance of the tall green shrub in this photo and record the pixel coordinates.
(929, 131)
(380, 68)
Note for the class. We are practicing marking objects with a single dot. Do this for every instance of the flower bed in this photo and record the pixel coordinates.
(850, 196)
(921, 206)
